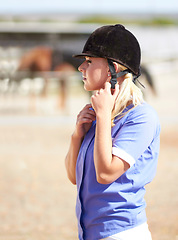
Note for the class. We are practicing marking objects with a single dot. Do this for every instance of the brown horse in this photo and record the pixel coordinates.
(44, 60)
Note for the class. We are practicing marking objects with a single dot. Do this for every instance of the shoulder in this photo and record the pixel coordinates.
(143, 111)
(144, 114)
(140, 115)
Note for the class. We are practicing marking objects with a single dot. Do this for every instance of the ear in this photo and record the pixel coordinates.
(116, 65)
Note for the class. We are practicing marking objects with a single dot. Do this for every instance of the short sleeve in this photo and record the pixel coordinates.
(140, 127)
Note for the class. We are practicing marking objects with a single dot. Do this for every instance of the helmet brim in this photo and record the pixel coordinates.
(82, 55)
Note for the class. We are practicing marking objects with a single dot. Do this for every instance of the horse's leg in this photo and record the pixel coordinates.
(63, 93)
(44, 92)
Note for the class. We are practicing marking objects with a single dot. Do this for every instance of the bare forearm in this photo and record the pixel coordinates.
(103, 146)
(71, 158)
(108, 167)
(83, 124)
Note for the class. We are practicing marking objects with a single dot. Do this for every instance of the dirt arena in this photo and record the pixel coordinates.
(37, 202)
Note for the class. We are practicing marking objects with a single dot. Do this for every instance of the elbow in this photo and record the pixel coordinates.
(72, 180)
(104, 179)
(108, 178)
(71, 176)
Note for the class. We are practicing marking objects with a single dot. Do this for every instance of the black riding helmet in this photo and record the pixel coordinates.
(115, 43)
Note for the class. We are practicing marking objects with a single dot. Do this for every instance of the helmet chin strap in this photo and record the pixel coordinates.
(135, 79)
(115, 75)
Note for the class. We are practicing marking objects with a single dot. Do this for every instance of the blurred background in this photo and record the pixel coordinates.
(41, 93)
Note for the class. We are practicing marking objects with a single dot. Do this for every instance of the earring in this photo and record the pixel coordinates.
(108, 75)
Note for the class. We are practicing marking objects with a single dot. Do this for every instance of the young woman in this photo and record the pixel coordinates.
(114, 148)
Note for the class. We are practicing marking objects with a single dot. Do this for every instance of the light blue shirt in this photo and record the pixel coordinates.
(106, 209)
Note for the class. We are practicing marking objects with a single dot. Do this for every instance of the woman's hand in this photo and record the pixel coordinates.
(103, 101)
(84, 121)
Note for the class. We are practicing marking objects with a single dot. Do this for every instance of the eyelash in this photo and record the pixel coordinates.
(88, 61)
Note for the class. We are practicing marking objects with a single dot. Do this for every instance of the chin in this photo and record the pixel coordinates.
(90, 89)
(87, 88)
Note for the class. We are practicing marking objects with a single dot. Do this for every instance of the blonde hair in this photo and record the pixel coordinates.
(129, 94)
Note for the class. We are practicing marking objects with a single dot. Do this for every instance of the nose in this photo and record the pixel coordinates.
(81, 67)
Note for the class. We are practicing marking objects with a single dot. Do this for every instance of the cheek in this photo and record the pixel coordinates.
(93, 75)
(100, 74)
(97, 77)
(102, 77)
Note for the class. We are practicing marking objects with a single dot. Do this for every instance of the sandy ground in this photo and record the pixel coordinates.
(37, 202)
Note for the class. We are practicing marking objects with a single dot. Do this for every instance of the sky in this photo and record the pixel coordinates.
(90, 6)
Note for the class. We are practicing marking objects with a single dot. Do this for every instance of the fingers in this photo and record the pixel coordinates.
(87, 114)
(84, 117)
(115, 91)
(108, 86)
(87, 106)
(107, 89)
